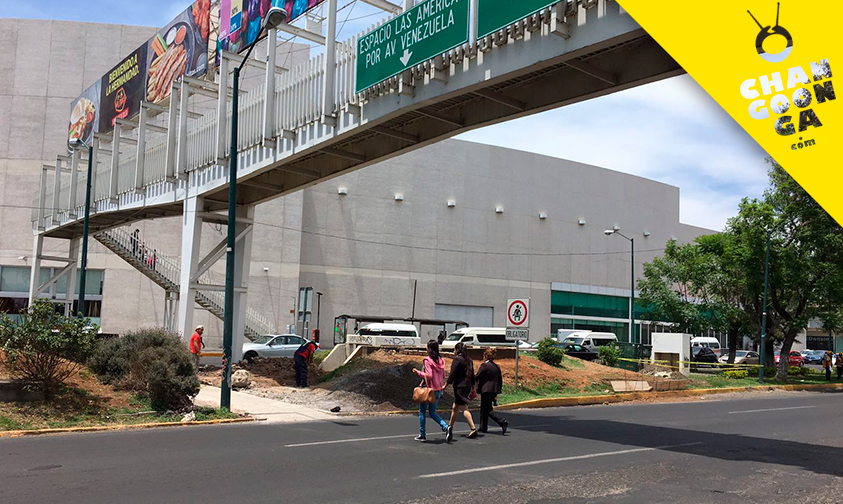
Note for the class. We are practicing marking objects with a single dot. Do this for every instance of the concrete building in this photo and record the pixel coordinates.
(467, 224)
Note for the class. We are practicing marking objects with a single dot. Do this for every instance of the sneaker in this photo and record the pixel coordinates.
(504, 426)
(449, 434)
(472, 434)
(420, 439)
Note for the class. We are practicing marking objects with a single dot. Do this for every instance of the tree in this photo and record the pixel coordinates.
(806, 258)
(694, 286)
(45, 347)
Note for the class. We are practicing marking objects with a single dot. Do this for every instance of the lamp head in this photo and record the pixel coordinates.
(609, 232)
(75, 143)
(276, 15)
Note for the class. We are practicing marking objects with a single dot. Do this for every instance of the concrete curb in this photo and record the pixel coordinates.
(555, 402)
(99, 428)
(559, 402)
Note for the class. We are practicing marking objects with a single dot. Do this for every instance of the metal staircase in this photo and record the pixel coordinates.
(166, 273)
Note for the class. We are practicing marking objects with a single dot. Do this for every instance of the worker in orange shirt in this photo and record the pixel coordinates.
(196, 345)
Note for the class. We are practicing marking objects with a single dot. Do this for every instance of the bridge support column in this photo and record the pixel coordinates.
(70, 291)
(35, 273)
(242, 266)
(171, 299)
(191, 237)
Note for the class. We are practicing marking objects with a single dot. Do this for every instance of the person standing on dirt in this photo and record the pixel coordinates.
(489, 385)
(196, 345)
(827, 364)
(441, 337)
(462, 378)
(434, 377)
(302, 358)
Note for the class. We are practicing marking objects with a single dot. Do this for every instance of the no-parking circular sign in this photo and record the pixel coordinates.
(518, 312)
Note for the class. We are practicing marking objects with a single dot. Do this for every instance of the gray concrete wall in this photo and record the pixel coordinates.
(364, 250)
(43, 67)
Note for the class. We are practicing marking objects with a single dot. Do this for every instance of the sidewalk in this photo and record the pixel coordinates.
(259, 407)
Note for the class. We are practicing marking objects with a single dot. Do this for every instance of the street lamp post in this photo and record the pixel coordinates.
(610, 232)
(318, 309)
(75, 143)
(274, 17)
(763, 348)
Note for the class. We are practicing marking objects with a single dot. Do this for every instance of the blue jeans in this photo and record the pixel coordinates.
(431, 410)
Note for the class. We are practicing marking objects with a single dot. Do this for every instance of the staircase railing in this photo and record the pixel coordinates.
(167, 271)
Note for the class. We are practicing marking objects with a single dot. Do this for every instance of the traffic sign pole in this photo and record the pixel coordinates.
(517, 322)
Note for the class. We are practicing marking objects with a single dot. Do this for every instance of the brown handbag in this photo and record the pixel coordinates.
(422, 394)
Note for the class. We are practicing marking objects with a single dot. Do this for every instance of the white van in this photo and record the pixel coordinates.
(591, 340)
(706, 342)
(477, 336)
(387, 335)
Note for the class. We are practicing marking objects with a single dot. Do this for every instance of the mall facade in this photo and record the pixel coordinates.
(449, 231)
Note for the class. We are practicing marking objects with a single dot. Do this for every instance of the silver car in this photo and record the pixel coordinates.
(270, 345)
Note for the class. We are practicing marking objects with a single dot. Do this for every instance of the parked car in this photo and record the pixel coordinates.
(741, 357)
(476, 337)
(591, 340)
(794, 359)
(271, 345)
(578, 351)
(703, 355)
(813, 356)
(706, 342)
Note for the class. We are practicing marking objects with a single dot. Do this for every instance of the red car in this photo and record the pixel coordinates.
(795, 358)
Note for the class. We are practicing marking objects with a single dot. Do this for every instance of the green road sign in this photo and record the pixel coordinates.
(427, 30)
(492, 15)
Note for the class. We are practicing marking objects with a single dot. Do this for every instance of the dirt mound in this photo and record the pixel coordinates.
(265, 372)
(389, 385)
(574, 373)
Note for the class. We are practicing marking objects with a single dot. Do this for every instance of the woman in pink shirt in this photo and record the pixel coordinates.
(434, 377)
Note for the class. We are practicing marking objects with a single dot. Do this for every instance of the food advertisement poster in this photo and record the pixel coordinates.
(297, 8)
(123, 89)
(180, 48)
(246, 17)
(84, 115)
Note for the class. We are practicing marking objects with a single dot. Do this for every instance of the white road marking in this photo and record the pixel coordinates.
(355, 440)
(553, 460)
(771, 409)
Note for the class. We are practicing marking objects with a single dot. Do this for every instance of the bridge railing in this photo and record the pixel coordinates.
(299, 102)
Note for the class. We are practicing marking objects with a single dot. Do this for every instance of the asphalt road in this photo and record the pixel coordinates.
(767, 447)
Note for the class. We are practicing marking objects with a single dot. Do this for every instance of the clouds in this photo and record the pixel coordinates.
(670, 131)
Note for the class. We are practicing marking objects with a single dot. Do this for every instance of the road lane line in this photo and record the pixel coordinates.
(770, 409)
(553, 460)
(355, 440)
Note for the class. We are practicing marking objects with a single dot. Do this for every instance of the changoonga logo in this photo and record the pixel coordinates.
(806, 91)
(768, 31)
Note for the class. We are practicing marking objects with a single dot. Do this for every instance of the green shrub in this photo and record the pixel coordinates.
(548, 353)
(45, 347)
(769, 372)
(795, 371)
(736, 374)
(609, 355)
(153, 362)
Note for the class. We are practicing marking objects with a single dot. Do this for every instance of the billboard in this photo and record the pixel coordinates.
(241, 20)
(123, 89)
(180, 48)
(84, 115)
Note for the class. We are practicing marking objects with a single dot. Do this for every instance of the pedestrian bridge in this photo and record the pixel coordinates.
(307, 124)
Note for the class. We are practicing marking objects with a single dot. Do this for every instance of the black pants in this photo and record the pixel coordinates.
(828, 374)
(839, 372)
(486, 411)
(301, 370)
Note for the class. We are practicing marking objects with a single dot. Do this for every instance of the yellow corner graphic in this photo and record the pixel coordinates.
(770, 66)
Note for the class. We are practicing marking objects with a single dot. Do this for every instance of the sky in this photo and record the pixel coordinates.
(671, 131)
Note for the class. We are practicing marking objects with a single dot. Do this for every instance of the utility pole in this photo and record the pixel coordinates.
(764, 314)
